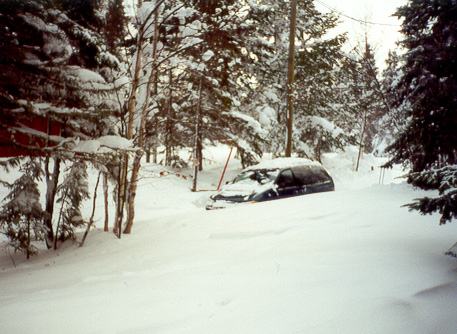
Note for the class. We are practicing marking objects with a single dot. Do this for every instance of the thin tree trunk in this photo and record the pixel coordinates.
(148, 154)
(169, 126)
(105, 201)
(121, 195)
(197, 134)
(362, 137)
(132, 192)
(291, 76)
(131, 110)
(154, 154)
(60, 218)
(51, 191)
(141, 137)
(28, 237)
(200, 148)
(132, 102)
(91, 220)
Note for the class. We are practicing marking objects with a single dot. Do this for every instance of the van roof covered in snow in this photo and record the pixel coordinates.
(279, 163)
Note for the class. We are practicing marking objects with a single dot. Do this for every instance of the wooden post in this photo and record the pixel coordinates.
(225, 169)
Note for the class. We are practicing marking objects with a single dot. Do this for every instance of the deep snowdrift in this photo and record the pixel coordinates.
(351, 261)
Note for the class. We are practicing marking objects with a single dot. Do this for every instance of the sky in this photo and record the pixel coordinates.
(382, 37)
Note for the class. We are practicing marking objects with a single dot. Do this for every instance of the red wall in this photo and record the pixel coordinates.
(11, 143)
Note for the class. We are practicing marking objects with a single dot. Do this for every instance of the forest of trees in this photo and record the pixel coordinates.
(113, 89)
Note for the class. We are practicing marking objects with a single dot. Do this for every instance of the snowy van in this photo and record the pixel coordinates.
(273, 179)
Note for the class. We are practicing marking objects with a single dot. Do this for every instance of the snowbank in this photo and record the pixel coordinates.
(349, 261)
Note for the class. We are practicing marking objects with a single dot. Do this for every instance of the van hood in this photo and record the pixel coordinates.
(242, 191)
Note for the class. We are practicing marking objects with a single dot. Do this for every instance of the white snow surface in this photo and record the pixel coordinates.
(346, 262)
(283, 163)
(103, 144)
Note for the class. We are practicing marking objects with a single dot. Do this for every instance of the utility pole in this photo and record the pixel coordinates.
(291, 76)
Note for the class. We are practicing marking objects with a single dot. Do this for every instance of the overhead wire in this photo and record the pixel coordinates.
(339, 12)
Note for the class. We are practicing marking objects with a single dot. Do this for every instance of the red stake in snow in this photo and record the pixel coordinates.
(225, 169)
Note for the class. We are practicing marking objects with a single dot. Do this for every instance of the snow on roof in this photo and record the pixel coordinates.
(283, 163)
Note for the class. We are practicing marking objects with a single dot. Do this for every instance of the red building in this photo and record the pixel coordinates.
(28, 136)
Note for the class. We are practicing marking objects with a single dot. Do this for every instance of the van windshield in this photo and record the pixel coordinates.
(262, 176)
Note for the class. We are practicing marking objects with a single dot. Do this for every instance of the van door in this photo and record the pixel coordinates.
(306, 179)
(287, 184)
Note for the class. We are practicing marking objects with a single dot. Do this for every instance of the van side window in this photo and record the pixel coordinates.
(320, 175)
(304, 175)
(285, 179)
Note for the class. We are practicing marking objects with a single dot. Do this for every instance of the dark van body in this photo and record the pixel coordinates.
(275, 180)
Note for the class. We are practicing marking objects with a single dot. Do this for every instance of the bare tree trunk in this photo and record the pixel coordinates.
(60, 218)
(105, 201)
(121, 196)
(169, 124)
(291, 76)
(91, 220)
(141, 137)
(362, 137)
(131, 111)
(28, 237)
(132, 192)
(200, 148)
(154, 154)
(51, 191)
(147, 150)
(197, 134)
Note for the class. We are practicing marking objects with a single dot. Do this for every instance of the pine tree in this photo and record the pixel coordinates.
(200, 83)
(115, 26)
(428, 86)
(317, 56)
(21, 215)
(54, 64)
(71, 194)
(394, 120)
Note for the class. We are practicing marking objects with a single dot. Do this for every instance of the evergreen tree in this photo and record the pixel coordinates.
(115, 26)
(82, 11)
(317, 56)
(21, 215)
(71, 194)
(371, 100)
(428, 86)
(54, 65)
(394, 120)
(199, 90)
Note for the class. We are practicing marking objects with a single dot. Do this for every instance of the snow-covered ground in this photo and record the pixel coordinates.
(349, 261)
